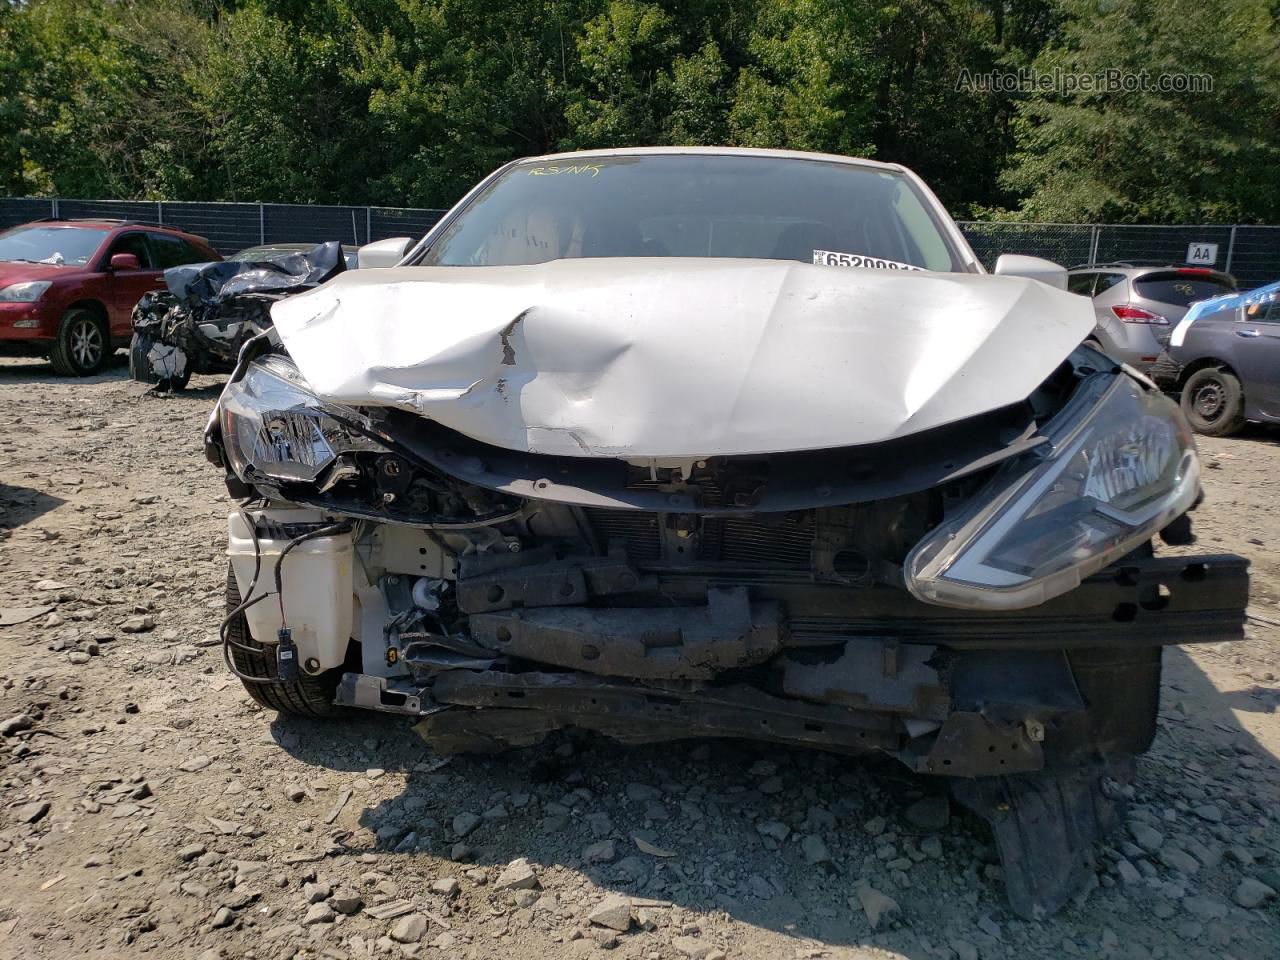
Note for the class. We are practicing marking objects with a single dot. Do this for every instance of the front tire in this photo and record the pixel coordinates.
(81, 347)
(1213, 401)
(307, 696)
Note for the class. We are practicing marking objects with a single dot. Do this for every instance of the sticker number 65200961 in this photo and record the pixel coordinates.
(830, 258)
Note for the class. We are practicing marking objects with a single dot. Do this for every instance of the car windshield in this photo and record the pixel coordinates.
(681, 205)
(56, 245)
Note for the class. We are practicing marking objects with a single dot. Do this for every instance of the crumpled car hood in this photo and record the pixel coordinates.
(666, 358)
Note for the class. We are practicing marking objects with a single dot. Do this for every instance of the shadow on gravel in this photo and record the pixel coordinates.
(40, 371)
(1190, 701)
(20, 505)
(1262, 432)
(689, 823)
(1254, 699)
(698, 803)
(210, 392)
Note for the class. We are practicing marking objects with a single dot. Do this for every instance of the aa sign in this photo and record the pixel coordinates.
(1202, 253)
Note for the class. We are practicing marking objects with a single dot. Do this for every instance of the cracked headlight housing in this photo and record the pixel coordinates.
(1121, 464)
(274, 428)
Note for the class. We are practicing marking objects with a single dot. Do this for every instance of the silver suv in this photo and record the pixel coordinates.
(1137, 307)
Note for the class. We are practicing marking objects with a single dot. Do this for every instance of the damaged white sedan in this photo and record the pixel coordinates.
(673, 443)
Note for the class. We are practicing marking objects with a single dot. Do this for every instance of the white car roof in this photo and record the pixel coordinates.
(713, 151)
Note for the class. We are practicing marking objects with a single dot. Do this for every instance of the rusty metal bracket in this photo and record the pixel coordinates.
(551, 583)
(971, 745)
(649, 643)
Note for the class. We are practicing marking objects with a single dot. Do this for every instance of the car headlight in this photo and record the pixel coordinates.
(1122, 464)
(273, 426)
(28, 292)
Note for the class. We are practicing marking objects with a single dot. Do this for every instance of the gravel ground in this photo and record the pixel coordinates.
(150, 807)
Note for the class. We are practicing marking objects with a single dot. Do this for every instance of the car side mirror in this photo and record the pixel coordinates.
(1033, 268)
(125, 261)
(383, 253)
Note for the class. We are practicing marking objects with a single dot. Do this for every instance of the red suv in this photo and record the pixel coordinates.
(68, 287)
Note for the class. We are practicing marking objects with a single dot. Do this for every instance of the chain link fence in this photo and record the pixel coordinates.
(1251, 253)
(233, 226)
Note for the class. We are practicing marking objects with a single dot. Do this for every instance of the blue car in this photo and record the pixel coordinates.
(1223, 360)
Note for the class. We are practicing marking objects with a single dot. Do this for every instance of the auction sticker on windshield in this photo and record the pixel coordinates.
(830, 258)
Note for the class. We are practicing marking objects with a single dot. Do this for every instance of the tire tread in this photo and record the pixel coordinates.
(306, 697)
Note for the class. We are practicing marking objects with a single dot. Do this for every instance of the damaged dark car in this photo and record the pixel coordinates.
(207, 311)
(671, 443)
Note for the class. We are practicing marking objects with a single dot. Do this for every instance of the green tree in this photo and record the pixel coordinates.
(16, 55)
(457, 87)
(697, 94)
(411, 101)
(284, 119)
(809, 81)
(1148, 155)
(624, 54)
(100, 104)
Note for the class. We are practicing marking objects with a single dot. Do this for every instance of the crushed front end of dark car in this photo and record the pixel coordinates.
(206, 312)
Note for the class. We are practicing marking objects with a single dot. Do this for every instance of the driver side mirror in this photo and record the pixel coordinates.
(1033, 268)
(383, 253)
(125, 261)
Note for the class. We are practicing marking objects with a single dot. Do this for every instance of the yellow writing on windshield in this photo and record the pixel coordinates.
(593, 169)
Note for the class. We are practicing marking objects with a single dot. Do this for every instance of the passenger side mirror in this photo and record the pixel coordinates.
(1033, 268)
(383, 253)
(125, 261)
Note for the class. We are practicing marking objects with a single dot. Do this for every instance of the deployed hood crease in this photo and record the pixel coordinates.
(668, 357)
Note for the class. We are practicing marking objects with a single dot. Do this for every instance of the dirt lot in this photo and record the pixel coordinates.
(150, 808)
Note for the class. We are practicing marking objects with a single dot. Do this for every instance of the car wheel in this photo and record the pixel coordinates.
(1213, 401)
(140, 367)
(81, 347)
(305, 697)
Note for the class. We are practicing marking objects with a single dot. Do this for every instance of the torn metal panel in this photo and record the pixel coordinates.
(680, 357)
